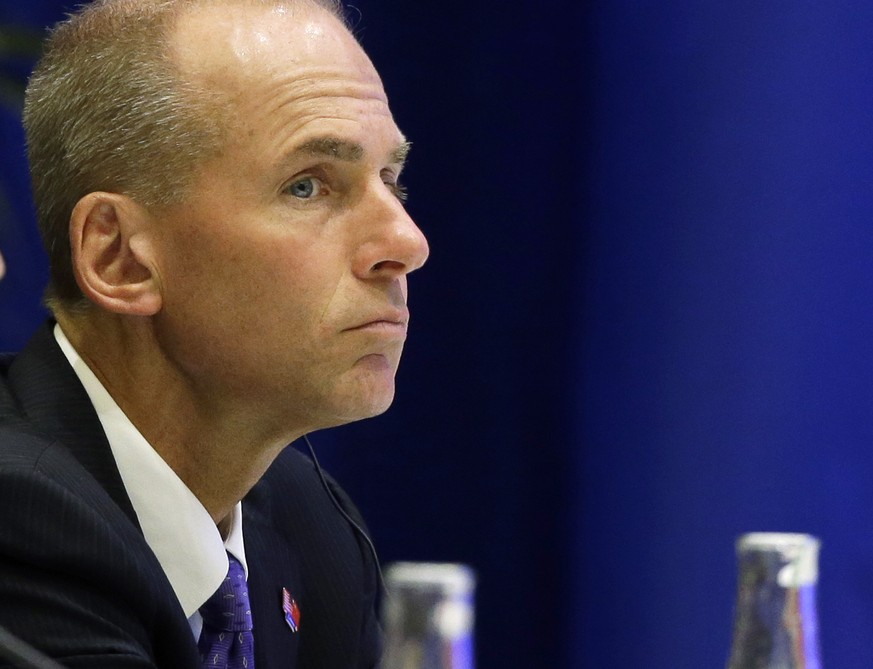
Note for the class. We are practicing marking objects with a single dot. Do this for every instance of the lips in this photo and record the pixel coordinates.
(394, 322)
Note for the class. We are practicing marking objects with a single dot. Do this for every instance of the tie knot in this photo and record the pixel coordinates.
(228, 609)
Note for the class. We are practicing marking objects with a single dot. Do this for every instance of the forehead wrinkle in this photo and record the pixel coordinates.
(286, 109)
(309, 90)
(305, 136)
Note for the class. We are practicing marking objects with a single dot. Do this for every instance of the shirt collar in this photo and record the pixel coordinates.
(175, 524)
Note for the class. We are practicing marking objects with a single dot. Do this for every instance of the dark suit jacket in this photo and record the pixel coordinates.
(78, 581)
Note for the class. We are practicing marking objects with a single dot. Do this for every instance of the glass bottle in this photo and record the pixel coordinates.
(775, 623)
(428, 616)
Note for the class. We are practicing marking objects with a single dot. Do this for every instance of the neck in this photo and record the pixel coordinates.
(218, 448)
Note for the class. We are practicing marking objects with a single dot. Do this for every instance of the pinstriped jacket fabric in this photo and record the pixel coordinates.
(78, 581)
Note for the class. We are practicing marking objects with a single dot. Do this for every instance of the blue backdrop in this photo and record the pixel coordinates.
(645, 326)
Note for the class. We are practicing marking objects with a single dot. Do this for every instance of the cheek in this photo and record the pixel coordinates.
(239, 277)
(228, 269)
(281, 306)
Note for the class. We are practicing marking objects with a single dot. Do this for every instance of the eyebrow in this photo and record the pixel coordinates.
(333, 147)
(400, 154)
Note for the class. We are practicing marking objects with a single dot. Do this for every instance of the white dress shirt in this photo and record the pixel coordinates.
(175, 524)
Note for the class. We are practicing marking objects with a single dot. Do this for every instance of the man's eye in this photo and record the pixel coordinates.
(399, 190)
(306, 188)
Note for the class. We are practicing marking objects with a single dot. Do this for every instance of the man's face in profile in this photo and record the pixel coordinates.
(283, 275)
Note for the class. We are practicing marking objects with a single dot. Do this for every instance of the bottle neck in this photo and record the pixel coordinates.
(776, 622)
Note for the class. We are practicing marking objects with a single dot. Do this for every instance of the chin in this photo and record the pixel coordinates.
(366, 392)
(372, 408)
(367, 405)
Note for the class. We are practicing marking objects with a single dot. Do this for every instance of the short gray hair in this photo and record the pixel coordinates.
(107, 109)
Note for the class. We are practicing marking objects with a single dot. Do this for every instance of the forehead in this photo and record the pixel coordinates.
(235, 47)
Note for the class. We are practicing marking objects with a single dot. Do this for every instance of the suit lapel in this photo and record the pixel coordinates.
(53, 401)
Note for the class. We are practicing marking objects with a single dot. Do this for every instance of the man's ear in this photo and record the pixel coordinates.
(112, 254)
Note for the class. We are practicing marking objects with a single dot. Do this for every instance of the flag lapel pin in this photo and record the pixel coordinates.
(291, 610)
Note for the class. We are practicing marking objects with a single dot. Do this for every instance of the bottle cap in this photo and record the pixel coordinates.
(798, 554)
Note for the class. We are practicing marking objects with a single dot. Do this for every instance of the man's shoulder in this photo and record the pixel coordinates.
(72, 559)
(8, 407)
(24, 373)
(35, 460)
(41, 472)
(6, 359)
(22, 445)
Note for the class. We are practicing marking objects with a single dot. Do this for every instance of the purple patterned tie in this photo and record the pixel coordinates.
(226, 640)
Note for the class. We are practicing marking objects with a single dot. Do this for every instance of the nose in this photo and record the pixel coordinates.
(393, 245)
